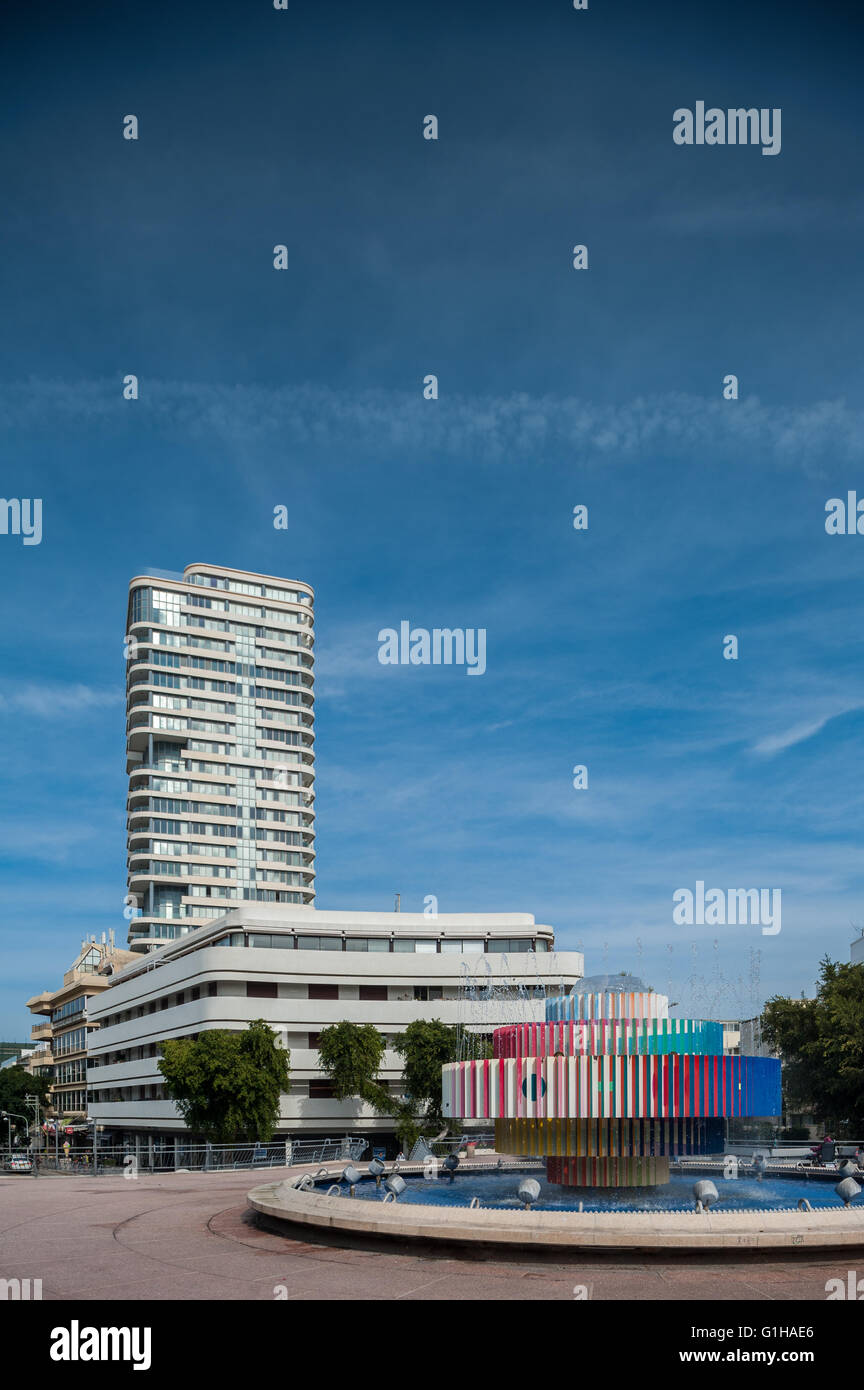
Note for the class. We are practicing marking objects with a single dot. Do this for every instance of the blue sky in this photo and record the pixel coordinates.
(557, 387)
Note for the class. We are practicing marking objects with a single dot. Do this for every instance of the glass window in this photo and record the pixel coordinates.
(426, 948)
(449, 947)
(321, 1090)
(323, 991)
(259, 989)
(356, 943)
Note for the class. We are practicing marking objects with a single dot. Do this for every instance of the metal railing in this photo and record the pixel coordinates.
(324, 1150)
(442, 1147)
(201, 1158)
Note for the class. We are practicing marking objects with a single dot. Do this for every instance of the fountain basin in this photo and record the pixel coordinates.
(452, 1220)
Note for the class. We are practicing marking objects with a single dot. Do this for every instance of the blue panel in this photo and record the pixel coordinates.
(763, 1086)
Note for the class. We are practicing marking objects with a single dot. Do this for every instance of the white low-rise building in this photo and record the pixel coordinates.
(302, 970)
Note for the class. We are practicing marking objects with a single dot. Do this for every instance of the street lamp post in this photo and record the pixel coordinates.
(95, 1145)
(9, 1116)
(30, 1099)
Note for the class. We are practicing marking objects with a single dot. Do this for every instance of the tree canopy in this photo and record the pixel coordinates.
(350, 1056)
(821, 1042)
(227, 1085)
(426, 1045)
(15, 1084)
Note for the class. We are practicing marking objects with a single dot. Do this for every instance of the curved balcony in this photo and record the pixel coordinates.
(142, 876)
(185, 720)
(303, 720)
(293, 760)
(303, 737)
(302, 663)
(138, 729)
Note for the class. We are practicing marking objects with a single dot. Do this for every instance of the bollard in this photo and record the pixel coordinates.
(847, 1190)
(528, 1192)
(705, 1193)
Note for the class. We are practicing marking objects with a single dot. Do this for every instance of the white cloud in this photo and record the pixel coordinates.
(491, 428)
(798, 733)
(57, 701)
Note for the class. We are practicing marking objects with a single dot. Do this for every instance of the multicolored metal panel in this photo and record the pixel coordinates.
(610, 1087)
(608, 1172)
(611, 1005)
(591, 1037)
(629, 1138)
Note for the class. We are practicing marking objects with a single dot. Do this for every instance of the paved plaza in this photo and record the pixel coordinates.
(193, 1236)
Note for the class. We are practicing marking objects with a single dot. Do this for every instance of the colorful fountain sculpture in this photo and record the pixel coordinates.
(610, 1087)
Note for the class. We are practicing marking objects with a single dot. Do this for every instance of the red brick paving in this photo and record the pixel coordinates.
(192, 1236)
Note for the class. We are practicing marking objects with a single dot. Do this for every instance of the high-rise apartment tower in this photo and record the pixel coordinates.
(220, 747)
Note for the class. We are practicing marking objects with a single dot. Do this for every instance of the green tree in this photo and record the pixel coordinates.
(821, 1042)
(227, 1085)
(350, 1056)
(406, 1120)
(426, 1046)
(15, 1084)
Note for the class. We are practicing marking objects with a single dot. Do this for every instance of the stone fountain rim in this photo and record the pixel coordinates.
(655, 1230)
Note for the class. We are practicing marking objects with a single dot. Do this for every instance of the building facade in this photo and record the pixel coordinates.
(302, 970)
(220, 748)
(61, 1039)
